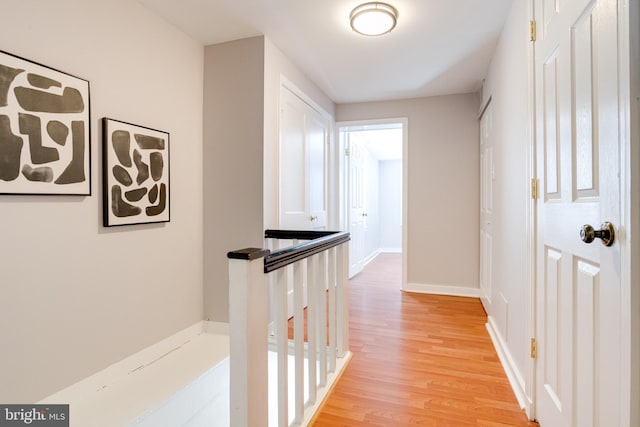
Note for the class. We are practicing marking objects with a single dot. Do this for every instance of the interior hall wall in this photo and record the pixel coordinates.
(233, 158)
(443, 190)
(76, 296)
(507, 84)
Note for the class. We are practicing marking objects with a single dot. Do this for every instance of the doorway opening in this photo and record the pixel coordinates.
(373, 189)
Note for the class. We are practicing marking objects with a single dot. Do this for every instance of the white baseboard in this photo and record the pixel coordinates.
(371, 257)
(323, 393)
(510, 368)
(458, 291)
(390, 250)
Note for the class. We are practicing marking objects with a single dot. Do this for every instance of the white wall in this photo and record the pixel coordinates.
(77, 297)
(507, 84)
(390, 184)
(443, 191)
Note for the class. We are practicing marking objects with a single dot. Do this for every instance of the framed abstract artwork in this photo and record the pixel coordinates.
(44, 130)
(136, 174)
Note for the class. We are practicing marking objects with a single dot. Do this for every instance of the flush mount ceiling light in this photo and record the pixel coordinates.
(373, 18)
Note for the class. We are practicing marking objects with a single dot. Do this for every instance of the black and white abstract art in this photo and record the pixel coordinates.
(44, 130)
(136, 174)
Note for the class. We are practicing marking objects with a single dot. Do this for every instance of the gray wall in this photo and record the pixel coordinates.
(241, 115)
(77, 297)
(443, 191)
(233, 161)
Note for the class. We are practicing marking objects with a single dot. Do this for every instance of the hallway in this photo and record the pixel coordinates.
(417, 360)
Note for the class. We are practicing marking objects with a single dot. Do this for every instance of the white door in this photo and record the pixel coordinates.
(304, 143)
(317, 142)
(357, 216)
(486, 204)
(578, 291)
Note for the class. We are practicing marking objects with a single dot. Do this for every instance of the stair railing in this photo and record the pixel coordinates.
(309, 274)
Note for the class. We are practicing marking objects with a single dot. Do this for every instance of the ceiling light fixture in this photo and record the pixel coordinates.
(373, 18)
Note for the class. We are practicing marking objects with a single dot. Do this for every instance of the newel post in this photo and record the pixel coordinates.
(248, 329)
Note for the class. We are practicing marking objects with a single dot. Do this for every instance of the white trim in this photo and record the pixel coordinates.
(371, 257)
(323, 393)
(390, 250)
(452, 290)
(631, 210)
(628, 27)
(404, 121)
(514, 375)
(333, 214)
(293, 88)
(530, 223)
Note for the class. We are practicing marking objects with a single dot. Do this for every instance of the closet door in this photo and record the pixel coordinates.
(304, 141)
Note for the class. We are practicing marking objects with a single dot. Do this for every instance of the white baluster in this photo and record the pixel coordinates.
(298, 340)
(331, 282)
(321, 295)
(312, 331)
(282, 340)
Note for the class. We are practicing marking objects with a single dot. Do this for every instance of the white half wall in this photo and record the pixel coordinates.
(77, 297)
(443, 191)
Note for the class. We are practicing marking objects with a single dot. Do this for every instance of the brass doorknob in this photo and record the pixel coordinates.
(313, 218)
(606, 233)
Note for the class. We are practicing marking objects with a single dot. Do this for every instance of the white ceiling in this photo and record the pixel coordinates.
(438, 47)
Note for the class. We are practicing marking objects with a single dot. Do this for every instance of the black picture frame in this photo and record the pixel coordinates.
(136, 174)
(45, 130)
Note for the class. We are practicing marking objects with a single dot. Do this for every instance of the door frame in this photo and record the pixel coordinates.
(341, 193)
(286, 84)
(532, 235)
(629, 229)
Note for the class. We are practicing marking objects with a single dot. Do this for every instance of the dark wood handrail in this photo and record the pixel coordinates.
(322, 241)
(315, 242)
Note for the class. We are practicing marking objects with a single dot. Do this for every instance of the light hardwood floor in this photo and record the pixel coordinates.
(418, 360)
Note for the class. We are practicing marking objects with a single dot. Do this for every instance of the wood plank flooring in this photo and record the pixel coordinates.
(418, 360)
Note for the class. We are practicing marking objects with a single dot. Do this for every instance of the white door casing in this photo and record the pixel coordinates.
(579, 287)
(304, 146)
(486, 204)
